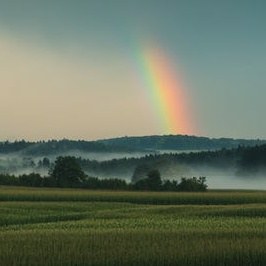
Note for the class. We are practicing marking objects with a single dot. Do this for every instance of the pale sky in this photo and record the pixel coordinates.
(72, 69)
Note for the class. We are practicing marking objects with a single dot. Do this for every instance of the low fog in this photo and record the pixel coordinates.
(216, 178)
(229, 179)
(18, 163)
(103, 156)
(236, 182)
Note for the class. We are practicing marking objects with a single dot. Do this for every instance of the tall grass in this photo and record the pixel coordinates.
(76, 227)
(205, 198)
(129, 248)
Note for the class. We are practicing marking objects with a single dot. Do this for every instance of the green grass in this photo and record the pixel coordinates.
(78, 227)
(160, 198)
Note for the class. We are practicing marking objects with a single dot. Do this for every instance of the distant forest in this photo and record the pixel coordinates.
(245, 160)
(179, 142)
(242, 161)
(66, 172)
(125, 144)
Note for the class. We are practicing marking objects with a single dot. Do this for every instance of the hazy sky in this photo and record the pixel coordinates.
(73, 68)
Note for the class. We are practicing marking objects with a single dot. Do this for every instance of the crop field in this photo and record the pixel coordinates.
(82, 227)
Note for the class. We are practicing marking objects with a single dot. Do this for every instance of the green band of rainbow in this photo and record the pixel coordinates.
(167, 92)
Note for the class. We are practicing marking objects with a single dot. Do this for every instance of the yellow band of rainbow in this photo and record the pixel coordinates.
(167, 92)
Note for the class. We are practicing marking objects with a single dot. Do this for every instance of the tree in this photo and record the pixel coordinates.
(140, 172)
(30, 180)
(44, 163)
(152, 182)
(67, 172)
(192, 184)
(170, 185)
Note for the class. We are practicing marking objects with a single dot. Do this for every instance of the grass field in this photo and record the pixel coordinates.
(81, 227)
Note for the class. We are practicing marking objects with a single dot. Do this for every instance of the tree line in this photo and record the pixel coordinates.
(146, 143)
(242, 160)
(67, 173)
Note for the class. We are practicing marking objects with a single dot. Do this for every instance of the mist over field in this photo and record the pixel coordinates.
(122, 165)
(17, 164)
(229, 179)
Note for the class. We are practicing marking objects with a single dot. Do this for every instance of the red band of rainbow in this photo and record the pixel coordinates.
(167, 92)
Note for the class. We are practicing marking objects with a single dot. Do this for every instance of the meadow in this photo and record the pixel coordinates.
(41, 226)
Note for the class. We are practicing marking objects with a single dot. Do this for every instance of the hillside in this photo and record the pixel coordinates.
(179, 142)
(242, 166)
(125, 144)
(51, 147)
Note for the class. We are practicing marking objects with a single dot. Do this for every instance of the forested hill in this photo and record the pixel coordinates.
(180, 142)
(57, 147)
(124, 144)
(241, 161)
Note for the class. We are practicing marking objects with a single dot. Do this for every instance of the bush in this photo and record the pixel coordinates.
(192, 184)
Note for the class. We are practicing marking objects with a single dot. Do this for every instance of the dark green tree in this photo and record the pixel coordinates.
(193, 184)
(140, 172)
(30, 180)
(67, 172)
(44, 163)
(170, 185)
(153, 182)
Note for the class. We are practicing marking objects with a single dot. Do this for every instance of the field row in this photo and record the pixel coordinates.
(161, 198)
(80, 233)
(54, 248)
(124, 216)
(67, 227)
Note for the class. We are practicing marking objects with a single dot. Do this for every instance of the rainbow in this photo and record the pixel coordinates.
(166, 91)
